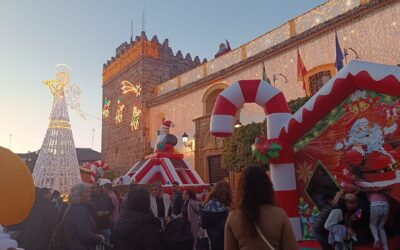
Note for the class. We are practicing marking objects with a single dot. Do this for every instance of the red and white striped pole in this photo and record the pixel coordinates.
(278, 115)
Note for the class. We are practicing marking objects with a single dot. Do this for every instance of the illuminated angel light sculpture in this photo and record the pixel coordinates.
(57, 164)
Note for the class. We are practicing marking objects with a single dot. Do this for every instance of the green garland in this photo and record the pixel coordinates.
(236, 149)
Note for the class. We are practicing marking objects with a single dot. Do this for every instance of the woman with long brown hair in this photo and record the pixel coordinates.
(256, 222)
(214, 213)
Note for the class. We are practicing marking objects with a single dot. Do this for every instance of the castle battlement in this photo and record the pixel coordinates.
(128, 53)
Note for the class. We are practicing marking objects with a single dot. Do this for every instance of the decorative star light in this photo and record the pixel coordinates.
(304, 172)
(128, 87)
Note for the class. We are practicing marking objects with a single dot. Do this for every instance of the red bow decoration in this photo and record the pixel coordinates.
(265, 149)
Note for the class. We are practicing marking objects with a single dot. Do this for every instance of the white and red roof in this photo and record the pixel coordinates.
(354, 76)
(166, 168)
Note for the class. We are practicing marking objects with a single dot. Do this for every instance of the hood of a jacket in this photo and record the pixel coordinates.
(213, 213)
(131, 221)
(214, 206)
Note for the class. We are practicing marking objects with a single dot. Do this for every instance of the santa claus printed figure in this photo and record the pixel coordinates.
(368, 161)
(165, 140)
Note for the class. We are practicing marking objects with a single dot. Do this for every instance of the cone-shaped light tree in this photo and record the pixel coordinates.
(57, 164)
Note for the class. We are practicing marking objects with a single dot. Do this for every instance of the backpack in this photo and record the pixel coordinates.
(57, 241)
(178, 235)
(203, 241)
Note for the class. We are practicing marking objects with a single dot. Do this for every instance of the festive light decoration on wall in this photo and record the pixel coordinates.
(57, 164)
(360, 34)
(106, 107)
(136, 112)
(120, 111)
(141, 48)
(128, 87)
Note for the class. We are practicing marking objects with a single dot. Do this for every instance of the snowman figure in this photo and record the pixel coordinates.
(372, 162)
(165, 140)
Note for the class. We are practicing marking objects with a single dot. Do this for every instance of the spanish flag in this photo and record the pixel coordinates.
(301, 70)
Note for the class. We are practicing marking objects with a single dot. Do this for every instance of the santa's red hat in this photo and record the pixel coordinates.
(167, 123)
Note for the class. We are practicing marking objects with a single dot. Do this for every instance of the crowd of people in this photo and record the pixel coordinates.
(96, 217)
(347, 219)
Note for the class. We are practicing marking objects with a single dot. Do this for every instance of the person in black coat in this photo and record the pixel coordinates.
(103, 208)
(79, 226)
(215, 212)
(40, 223)
(177, 199)
(136, 227)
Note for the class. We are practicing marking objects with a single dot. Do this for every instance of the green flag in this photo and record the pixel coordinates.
(265, 76)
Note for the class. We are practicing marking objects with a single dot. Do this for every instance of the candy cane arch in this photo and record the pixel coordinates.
(95, 167)
(278, 115)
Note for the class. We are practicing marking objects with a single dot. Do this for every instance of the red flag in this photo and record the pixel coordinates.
(301, 70)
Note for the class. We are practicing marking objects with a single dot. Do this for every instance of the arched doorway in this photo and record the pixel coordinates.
(210, 96)
(208, 147)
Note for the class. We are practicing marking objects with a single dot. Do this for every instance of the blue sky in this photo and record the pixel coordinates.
(37, 35)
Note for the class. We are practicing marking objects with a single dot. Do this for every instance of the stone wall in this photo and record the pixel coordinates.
(372, 35)
(122, 146)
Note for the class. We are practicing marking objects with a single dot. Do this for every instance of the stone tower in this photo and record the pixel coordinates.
(129, 80)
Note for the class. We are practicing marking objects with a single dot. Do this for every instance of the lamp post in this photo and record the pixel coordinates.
(237, 124)
(9, 145)
(92, 138)
(185, 141)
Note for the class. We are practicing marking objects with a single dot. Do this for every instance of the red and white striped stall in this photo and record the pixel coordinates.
(166, 168)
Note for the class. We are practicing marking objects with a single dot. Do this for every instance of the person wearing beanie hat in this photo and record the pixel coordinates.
(137, 228)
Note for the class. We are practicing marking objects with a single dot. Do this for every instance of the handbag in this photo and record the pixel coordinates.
(203, 241)
(263, 237)
(57, 240)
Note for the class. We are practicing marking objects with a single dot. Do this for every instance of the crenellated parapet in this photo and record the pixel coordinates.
(128, 53)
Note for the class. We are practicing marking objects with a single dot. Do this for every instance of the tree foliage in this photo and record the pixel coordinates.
(295, 105)
(236, 149)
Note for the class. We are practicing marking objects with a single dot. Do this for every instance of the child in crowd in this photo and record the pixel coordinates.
(339, 223)
(379, 213)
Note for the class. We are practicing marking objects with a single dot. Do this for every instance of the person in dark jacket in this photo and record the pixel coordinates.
(327, 203)
(215, 212)
(125, 197)
(136, 227)
(79, 227)
(40, 223)
(177, 199)
(56, 200)
(104, 208)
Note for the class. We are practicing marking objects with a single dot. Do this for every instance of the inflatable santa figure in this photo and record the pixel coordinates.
(367, 159)
(165, 140)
